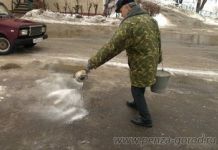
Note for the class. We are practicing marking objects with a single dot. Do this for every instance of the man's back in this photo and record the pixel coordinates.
(145, 35)
(144, 50)
(139, 35)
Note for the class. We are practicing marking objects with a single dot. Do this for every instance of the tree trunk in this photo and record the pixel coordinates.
(106, 7)
(200, 5)
(96, 8)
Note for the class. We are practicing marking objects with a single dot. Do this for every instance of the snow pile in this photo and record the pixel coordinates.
(56, 17)
(210, 6)
(33, 13)
(166, 2)
(162, 21)
(208, 15)
(96, 19)
(205, 20)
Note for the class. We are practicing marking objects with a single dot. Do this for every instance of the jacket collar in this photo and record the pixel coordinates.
(136, 10)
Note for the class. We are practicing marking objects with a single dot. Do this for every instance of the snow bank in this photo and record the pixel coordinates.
(207, 15)
(162, 21)
(211, 5)
(56, 17)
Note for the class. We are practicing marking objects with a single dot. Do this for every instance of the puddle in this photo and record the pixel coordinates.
(62, 98)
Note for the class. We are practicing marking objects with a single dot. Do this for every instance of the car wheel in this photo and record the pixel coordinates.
(30, 45)
(5, 46)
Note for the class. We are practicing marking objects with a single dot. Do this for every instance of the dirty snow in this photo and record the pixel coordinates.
(56, 17)
(62, 98)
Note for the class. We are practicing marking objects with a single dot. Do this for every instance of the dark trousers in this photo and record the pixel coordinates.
(139, 100)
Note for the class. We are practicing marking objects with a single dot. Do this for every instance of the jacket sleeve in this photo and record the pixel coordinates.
(160, 48)
(160, 59)
(116, 45)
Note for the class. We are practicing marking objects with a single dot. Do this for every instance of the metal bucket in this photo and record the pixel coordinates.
(162, 79)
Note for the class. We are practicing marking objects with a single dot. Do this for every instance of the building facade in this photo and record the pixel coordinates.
(69, 5)
(7, 3)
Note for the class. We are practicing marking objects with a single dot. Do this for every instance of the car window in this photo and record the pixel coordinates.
(3, 10)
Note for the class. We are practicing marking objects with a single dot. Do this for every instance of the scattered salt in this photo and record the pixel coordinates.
(63, 98)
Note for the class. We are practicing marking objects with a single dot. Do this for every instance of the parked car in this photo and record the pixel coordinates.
(15, 32)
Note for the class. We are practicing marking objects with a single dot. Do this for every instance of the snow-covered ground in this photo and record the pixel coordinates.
(210, 6)
(209, 14)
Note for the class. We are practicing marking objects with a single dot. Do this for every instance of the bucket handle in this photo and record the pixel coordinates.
(162, 66)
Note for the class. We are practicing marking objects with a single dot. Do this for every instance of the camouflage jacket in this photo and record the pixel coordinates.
(139, 35)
